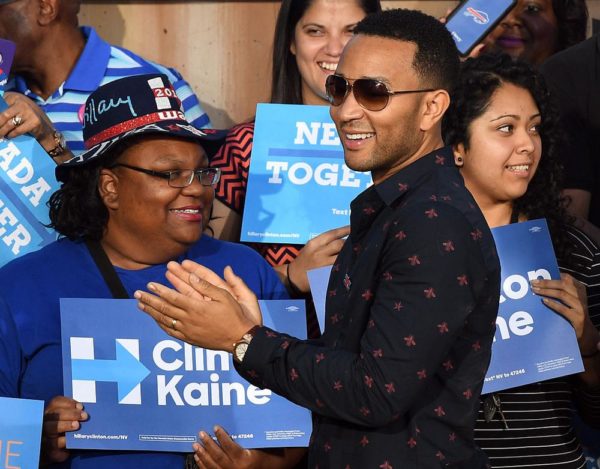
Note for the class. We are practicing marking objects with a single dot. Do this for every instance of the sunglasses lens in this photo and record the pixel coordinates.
(336, 88)
(371, 94)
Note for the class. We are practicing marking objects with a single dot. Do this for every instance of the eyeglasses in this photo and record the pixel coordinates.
(180, 177)
(370, 94)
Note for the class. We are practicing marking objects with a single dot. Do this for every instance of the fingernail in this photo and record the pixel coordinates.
(151, 287)
(195, 446)
(79, 406)
(74, 425)
(84, 416)
(140, 306)
(534, 282)
(194, 278)
(202, 436)
(137, 295)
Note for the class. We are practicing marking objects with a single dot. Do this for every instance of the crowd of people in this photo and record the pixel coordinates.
(151, 209)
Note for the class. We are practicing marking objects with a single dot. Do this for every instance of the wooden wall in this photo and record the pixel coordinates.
(223, 48)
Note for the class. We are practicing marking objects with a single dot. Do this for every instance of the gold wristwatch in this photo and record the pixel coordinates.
(61, 145)
(241, 346)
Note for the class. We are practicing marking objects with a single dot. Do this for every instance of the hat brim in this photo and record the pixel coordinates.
(210, 139)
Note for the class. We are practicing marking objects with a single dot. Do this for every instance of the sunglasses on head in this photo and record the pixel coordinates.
(370, 94)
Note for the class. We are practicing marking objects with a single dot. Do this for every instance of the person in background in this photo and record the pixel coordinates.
(57, 65)
(394, 381)
(536, 29)
(309, 38)
(503, 130)
(573, 76)
(139, 197)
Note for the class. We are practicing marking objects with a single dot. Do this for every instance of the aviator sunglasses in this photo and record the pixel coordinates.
(370, 94)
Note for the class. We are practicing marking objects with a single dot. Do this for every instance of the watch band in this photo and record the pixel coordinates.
(60, 147)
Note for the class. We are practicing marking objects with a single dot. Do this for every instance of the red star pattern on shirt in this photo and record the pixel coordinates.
(364, 441)
(448, 246)
(320, 357)
(387, 276)
(448, 365)
(402, 187)
(368, 381)
(411, 442)
(410, 341)
(440, 159)
(368, 210)
(377, 353)
(429, 293)
(293, 374)
(422, 374)
(390, 388)
(462, 280)
(439, 411)
(400, 235)
(431, 213)
(443, 327)
(398, 305)
(338, 386)
(386, 465)
(414, 260)
(367, 295)
(468, 394)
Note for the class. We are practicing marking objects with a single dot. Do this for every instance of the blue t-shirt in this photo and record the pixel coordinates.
(30, 288)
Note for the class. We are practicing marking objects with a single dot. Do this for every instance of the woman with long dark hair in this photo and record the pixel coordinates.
(503, 129)
(309, 38)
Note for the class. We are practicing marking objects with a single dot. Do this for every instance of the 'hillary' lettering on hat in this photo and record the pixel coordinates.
(92, 111)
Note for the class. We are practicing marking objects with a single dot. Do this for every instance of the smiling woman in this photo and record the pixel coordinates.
(503, 130)
(309, 38)
(139, 197)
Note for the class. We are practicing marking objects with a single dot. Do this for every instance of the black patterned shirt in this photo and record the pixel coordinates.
(410, 316)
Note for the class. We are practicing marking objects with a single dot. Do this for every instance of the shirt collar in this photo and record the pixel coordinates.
(91, 66)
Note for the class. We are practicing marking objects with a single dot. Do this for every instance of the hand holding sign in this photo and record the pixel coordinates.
(318, 252)
(572, 304)
(23, 116)
(62, 414)
(215, 323)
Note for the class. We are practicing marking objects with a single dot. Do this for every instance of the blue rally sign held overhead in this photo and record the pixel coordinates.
(26, 183)
(147, 391)
(298, 184)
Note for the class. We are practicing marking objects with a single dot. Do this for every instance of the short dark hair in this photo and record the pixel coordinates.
(436, 60)
(77, 211)
(286, 82)
(480, 78)
(571, 18)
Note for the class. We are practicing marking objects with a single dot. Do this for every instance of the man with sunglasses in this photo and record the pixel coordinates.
(413, 295)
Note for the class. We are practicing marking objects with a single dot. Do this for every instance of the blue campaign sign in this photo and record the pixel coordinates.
(26, 183)
(7, 54)
(20, 432)
(532, 342)
(147, 391)
(318, 279)
(298, 184)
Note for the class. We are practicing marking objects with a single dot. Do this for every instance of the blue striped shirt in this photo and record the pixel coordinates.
(98, 64)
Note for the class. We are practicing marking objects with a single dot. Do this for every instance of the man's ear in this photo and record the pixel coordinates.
(435, 105)
(48, 11)
(108, 188)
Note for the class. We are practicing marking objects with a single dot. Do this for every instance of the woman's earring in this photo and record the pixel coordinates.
(458, 161)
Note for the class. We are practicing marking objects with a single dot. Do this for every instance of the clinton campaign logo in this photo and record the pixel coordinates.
(479, 16)
(145, 390)
(125, 369)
